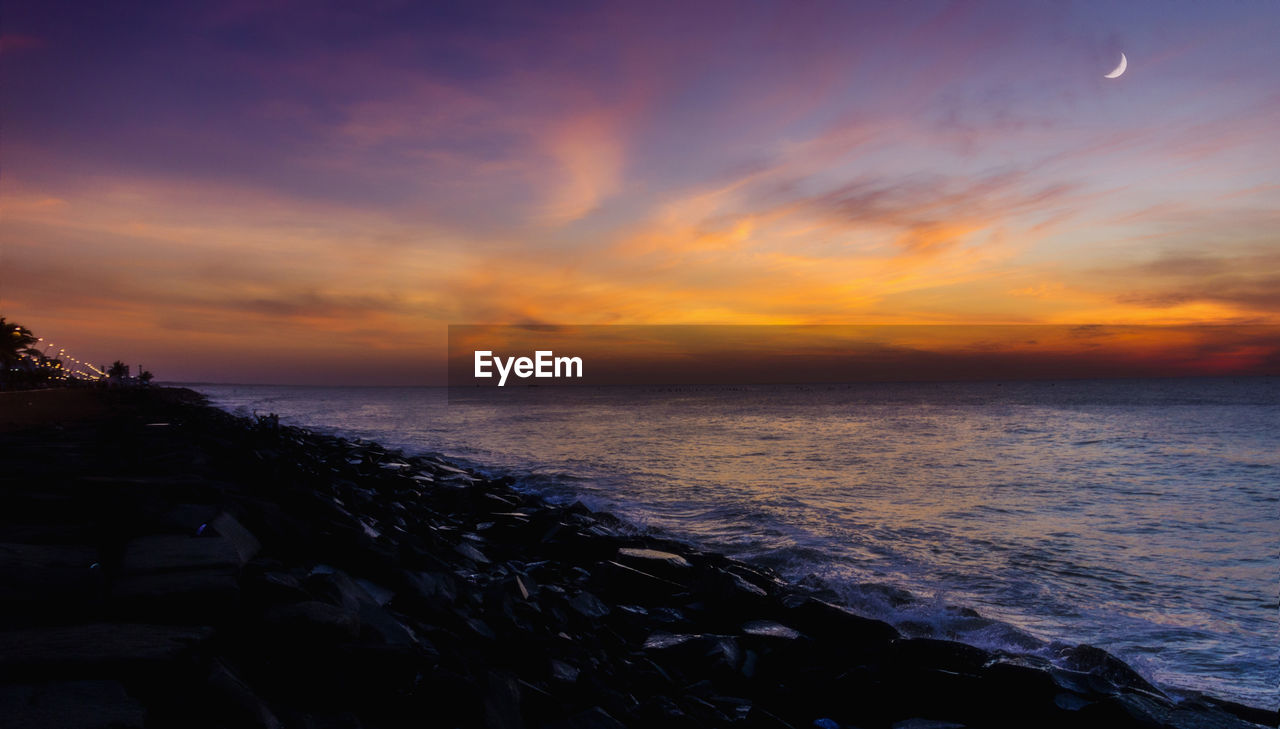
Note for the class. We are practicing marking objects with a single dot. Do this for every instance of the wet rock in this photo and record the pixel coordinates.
(727, 589)
(993, 631)
(1114, 711)
(946, 655)
(770, 629)
(1147, 709)
(889, 595)
(631, 584)
(697, 657)
(1025, 688)
(561, 671)
(837, 628)
(1101, 664)
(662, 641)
(728, 600)
(1240, 711)
(652, 559)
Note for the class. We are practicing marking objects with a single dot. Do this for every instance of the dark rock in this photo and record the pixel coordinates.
(164, 552)
(69, 705)
(697, 657)
(234, 702)
(455, 600)
(629, 583)
(922, 723)
(662, 641)
(189, 519)
(704, 711)
(1110, 711)
(839, 629)
(434, 589)
(94, 650)
(49, 579)
(272, 586)
(1099, 663)
(241, 539)
(1149, 710)
(888, 595)
(942, 654)
(502, 703)
(356, 596)
(199, 596)
(1023, 685)
(376, 670)
(589, 605)
(47, 533)
(770, 629)
(313, 621)
(662, 711)
(1070, 702)
(1248, 713)
(481, 628)
(471, 553)
(339, 720)
(562, 671)
(667, 565)
(730, 589)
(593, 718)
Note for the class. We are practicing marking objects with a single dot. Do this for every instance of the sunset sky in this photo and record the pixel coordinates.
(295, 192)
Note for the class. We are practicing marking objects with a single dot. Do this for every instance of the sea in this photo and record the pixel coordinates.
(1140, 516)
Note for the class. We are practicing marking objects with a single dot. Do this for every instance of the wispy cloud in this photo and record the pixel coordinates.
(309, 176)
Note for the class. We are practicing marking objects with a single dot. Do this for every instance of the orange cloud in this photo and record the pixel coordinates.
(588, 157)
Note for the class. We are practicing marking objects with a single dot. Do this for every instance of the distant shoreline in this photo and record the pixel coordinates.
(1264, 376)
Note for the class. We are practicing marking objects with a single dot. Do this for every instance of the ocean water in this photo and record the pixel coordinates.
(1140, 516)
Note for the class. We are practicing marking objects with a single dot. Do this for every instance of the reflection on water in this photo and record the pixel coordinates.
(1142, 516)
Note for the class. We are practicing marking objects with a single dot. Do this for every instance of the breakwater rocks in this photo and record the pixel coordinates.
(172, 565)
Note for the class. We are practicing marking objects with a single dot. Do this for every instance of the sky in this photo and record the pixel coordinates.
(309, 192)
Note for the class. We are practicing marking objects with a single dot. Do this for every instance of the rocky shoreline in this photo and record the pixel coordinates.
(163, 563)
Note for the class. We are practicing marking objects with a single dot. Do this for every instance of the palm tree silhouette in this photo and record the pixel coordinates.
(119, 369)
(15, 341)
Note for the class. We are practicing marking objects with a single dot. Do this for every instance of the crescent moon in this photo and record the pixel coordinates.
(1118, 70)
